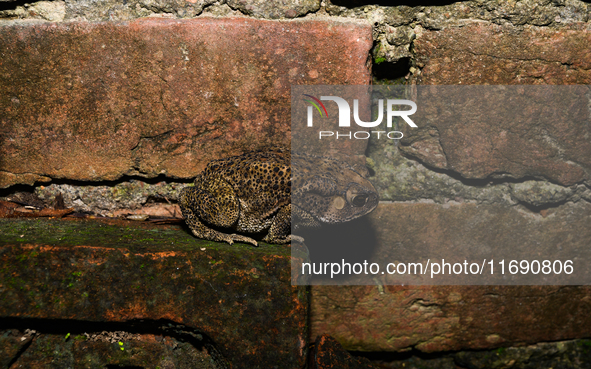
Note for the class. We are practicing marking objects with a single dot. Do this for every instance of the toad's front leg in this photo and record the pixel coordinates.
(280, 230)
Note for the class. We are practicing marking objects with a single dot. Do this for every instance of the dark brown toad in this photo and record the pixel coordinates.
(257, 193)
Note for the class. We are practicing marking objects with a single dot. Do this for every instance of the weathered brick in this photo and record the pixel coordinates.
(485, 53)
(440, 318)
(443, 318)
(239, 297)
(96, 101)
(507, 140)
(503, 131)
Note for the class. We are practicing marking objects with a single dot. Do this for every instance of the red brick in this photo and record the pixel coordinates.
(484, 53)
(239, 297)
(96, 101)
(530, 131)
(447, 317)
(478, 143)
(443, 318)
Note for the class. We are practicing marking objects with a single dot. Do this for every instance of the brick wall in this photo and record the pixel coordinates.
(100, 96)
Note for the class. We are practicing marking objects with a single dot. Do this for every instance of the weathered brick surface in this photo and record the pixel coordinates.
(485, 53)
(96, 101)
(239, 297)
(506, 137)
(417, 232)
(440, 318)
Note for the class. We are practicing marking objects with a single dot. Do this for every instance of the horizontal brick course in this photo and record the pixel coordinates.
(485, 53)
(239, 296)
(96, 101)
(477, 142)
(447, 317)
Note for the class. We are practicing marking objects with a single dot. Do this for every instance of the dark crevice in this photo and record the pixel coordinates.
(491, 180)
(28, 188)
(5, 192)
(401, 356)
(157, 199)
(12, 5)
(391, 73)
(422, 302)
(546, 206)
(473, 182)
(162, 327)
(207, 6)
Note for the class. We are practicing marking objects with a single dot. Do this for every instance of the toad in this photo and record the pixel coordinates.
(258, 193)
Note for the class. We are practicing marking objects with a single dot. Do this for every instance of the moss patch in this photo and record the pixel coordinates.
(131, 235)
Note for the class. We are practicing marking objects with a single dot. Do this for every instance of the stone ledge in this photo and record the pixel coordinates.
(240, 297)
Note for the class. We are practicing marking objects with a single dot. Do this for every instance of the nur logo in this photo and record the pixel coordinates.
(315, 100)
(345, 116)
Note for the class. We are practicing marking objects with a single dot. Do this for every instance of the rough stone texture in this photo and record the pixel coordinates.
(131, 196)
(393, 44)
(393, 24)
(440, 15)
(105, 10)
(116, 10)
(96, 101)
(569, 354)
(547, 355)
(238, 298)
(441, 318)
(127, 350)
(53, 11)
(445, 318)
(557, 150)
(275, 8)
(12, 342)
(537, 193)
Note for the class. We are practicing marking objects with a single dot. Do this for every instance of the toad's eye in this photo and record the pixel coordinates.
(359, 200)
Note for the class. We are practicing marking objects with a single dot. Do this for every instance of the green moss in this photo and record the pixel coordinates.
(584, 345)
(379, 60)
(114, 234)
